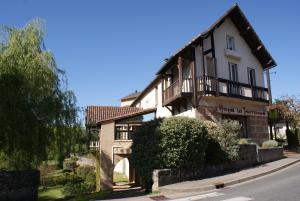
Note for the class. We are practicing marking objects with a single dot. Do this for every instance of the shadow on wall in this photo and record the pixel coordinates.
(106, 172)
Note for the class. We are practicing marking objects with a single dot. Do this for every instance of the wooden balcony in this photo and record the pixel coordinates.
(175, 91)
(224, 87)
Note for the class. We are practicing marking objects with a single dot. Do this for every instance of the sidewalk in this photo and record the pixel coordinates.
(172, 190)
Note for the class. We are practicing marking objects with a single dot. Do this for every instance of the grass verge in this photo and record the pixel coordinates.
(56, 193)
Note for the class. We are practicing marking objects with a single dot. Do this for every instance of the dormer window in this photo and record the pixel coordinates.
(230, 42)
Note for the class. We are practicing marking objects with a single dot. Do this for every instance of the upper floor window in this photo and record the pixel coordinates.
(233, 72)
(251, 77)
(230, 42)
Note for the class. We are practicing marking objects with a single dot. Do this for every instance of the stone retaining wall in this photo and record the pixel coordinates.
(19, 185)
(161, 177)
(269, 155)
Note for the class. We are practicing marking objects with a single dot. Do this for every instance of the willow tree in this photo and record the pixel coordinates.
(37, 112)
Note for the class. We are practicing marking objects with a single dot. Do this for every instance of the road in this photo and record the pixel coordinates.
(281, 186)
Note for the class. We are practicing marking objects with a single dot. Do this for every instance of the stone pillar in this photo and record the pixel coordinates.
(131, 172)
(106, 156)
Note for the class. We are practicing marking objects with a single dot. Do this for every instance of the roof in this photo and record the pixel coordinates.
(133, 114)
(96, 114)
(131, 96)
(247, 32)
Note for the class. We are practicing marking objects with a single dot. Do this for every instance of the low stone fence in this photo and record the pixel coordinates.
(249, 156)
(19, 185)
(85, 161)
(269, 155)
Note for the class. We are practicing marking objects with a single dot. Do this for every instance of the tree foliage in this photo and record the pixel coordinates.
(146, 154)
(183, 142)
(36, 109)
(176, 142)
(223, 141)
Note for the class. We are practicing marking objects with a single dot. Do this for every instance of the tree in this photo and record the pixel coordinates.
(37, 111)
(146, 153)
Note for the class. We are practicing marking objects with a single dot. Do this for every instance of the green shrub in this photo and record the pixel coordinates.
(223, 141)
(292, 138)
(69, 164)
(243, 141)
(88, 174)
(85, 182)
(269, 144)
(183, 142)
(58, 179)
(85, 172)
(145, 150)
(77, 188)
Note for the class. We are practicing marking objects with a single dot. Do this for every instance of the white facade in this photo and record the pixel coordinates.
(242, 56)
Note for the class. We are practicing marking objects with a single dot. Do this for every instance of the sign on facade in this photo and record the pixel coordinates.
(241, 111)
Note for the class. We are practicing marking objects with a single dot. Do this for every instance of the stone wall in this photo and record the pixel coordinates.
(247, 155)
(269, 155)
(258, 128)
(19, 185)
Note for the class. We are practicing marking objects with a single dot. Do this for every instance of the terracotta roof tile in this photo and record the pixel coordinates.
(95, 114)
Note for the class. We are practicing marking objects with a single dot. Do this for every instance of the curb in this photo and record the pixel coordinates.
(226, 183)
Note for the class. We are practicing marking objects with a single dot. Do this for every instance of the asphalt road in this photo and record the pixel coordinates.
(280, 186)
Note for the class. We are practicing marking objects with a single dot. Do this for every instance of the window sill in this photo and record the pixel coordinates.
(232, 54)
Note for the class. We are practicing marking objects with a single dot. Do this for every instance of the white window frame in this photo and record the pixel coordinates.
(230, 42)
(233, 77)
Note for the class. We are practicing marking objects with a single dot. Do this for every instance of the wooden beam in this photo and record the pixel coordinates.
(194, 73)
(179, 65)
(207, 51)
(259, 47)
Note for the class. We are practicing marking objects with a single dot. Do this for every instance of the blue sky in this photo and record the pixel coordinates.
(111, 48)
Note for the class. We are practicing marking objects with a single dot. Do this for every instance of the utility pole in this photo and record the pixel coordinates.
(269, 87)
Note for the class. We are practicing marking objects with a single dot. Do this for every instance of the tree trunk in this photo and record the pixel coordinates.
(275, 133)
(271, 131)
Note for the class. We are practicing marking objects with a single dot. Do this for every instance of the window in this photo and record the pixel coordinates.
(125, 131)
(233, 72)
(234, 86)
(251, 77)
(230, 42)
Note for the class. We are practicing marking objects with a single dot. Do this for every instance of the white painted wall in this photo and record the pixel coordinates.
(123, 167)
(242, 49)
(126, 102)
(153, 99)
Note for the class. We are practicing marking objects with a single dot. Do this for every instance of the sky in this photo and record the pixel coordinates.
(112, 48)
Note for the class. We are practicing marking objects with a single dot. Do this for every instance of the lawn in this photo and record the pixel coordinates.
(119, 177)
(55, 193)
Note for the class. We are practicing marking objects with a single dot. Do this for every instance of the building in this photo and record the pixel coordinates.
(218, 75)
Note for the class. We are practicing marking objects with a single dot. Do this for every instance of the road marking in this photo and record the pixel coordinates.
(239, 199)
(200, 197)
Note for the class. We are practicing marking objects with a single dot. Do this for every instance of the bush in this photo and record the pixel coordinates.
(269, 144)
(244, 141)
(183, 142)
(88, 174)
(77, 188)
(223, 141)
(292, 138)
(145, 150)
(69, 164)
(58, 179)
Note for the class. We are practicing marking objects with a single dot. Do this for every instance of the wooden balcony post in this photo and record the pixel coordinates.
(179, 66)
(194, 73)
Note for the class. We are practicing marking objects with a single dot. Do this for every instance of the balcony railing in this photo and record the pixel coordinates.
(224, 87)
(94, 145)
(175, 91)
